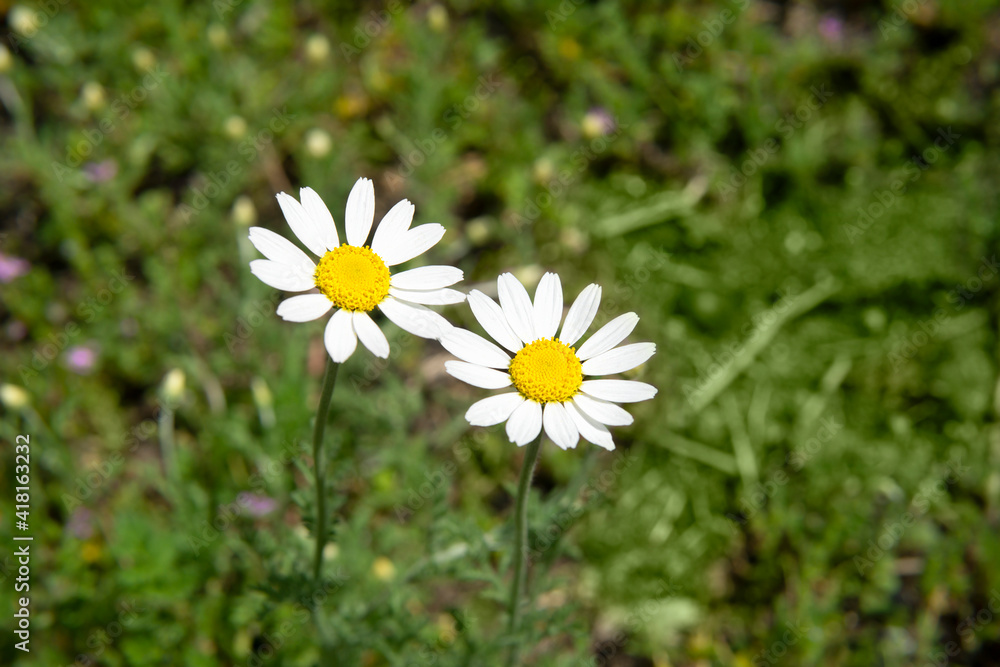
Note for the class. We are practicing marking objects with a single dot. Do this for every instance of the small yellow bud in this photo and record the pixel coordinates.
(143, 59)
(317, 48)
(92, 95)
(235, 127)
(217, 35)
(244, 213)
(383, 569)
(173, 385)
(14, 397)
(318, 142)
(6, 60)
(437, 18)
(24, 20)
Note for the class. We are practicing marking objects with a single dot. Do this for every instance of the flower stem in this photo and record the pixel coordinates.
(521, 538)
(329, 381)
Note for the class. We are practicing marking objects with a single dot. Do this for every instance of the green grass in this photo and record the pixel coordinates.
(816, 483)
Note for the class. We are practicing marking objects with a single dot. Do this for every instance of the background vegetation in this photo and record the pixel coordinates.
(798, 199)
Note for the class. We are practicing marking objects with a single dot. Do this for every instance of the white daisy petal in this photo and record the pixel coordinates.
(392, 227)
(281, 276)
(548, 307)
(476, 375)
(589, 428)
(304, 308)
(494, 409)
(516, 306)
(320, 214)
(431, 297)
(475, 349)
(360, 212)
(608, 336)
(303, 226)
(602, 411)
(581, 314)
(415, 242)
(279, 249)
(492, 319)
(559, 426)
(426, 277)
(619, 360)
(418, 320)
(370, 334)
(619, 391)
(525, 423)
(339, 337)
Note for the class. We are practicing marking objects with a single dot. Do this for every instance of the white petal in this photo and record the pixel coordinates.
(619, 391)
(477, 376)
(415, 242)
(360, 212)
(371, 336)
(392, 227)
(608, 336)
(548, 307)
(418, 320)
(475, 349)
(319, 213)
(516, 306)
(491, 317)
(431, 297)
(339, 337)
(619, 360)
(590, 429)
(279, 249)
(304, 308)
(602, 411)
(581, 314)
(426, 277)
(303, 226)
(559, 426)
(494, 409)
(525, 423)
(281, 276)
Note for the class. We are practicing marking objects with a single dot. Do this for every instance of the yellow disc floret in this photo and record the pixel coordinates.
(546, 371)
(353, 278)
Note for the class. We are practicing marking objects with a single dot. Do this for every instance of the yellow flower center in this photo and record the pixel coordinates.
(353, 278)
(546, 371)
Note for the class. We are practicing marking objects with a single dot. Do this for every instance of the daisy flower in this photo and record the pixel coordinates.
(354, 278)
(546, 371)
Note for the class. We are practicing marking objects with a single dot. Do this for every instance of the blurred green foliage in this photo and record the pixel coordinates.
(798, 200)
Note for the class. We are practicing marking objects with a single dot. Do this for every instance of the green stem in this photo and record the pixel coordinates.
(329, 381)
(521, 538)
